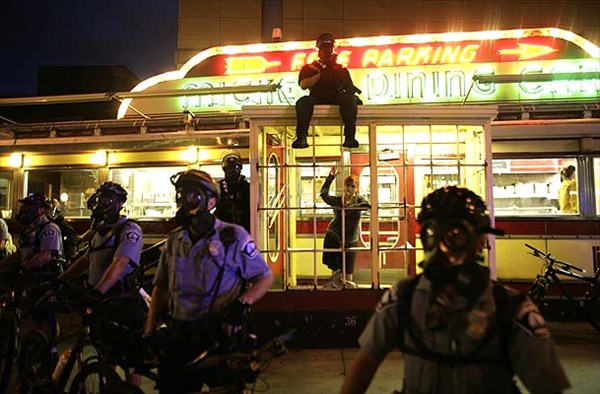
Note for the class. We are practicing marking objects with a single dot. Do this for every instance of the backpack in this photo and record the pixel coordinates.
(70, 238)
(506, 305)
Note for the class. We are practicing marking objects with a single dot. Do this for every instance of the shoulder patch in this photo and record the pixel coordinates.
(529, 318)
(250, 249)
(49, 232)
(132, 236)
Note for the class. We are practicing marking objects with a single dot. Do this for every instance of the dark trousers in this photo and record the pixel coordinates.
(335, 260)
(348, 108)
(185, 341)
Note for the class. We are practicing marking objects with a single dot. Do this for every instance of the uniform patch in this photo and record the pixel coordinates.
(250, 249)
(132, 236)
(529, 318)
(49, 232)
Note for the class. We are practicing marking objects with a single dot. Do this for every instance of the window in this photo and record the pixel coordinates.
(544, 186)
(71, 187)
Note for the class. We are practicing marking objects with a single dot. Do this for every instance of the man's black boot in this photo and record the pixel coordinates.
(300, 142)
(349, 138)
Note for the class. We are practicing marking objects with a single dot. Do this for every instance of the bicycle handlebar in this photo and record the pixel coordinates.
(552, 260)
(273, 348)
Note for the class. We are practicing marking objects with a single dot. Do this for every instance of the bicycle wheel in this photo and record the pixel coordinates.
(34, 364)
(592, 309)
(8, 343)
(97, 378)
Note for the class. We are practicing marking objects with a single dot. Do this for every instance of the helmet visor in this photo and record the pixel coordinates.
(190, 198)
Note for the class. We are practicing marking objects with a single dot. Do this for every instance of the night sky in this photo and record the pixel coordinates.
(138, 34)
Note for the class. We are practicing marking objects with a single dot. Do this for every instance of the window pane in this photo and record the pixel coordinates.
(535, 187)
(71, 187)
(149, 191)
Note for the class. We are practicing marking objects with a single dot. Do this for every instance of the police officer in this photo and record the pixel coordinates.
(40, 242)
(115, 245)
(329, 83)
(198, 286)
(459, 331)
(234, 201)
(113, 252)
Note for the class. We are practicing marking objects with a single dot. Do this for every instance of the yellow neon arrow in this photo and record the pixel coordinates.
(528, 51)
(248, 65)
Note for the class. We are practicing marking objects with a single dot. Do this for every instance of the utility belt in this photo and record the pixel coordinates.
(204, 334)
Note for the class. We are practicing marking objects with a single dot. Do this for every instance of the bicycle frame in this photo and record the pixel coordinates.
(588, 306)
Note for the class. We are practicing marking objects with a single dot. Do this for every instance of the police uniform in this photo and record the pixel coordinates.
(104, 246)
(190, 270)
(202, 279)
(451, 328)
(45, 236)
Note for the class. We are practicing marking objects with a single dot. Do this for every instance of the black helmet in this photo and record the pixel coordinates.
(325, 38)
(231, 157)
(34, 205)
(454, 202)
(36, 199)
(197, 178)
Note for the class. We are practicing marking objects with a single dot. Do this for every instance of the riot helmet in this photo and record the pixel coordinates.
(193, 190)
(33, 206)
(452, 220)
(107, 202)
(232, 165)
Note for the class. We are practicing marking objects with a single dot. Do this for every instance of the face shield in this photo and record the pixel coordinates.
(105, 206)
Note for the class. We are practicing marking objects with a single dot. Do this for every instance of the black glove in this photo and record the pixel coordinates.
(319, 65)
(236, 313)
(91, 298)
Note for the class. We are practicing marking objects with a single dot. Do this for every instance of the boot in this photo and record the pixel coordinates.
(300, 142)
(349, 139)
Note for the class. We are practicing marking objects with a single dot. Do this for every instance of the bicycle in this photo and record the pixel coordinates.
(244, 366)
(10, 316)
(39, 369)
(553, 270)
(240, 368)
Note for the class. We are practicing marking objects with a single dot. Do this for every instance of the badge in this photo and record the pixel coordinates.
(214, 246)
(477, 322)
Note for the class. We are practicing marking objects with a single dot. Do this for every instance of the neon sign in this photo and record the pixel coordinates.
(429, 68)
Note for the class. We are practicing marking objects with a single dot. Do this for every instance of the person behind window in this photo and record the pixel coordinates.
(234, 201)
(567, 194)
(54, 211)
(347, 210)
(459, 331)
(114, 251)
(329, 83)
(209, 274)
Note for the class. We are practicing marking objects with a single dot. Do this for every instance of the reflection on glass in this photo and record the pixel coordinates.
(275, 200)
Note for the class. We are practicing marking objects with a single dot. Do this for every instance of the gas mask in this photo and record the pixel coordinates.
(232, 173)
(28, 213)
(191, 198)
(450, 239)
(105, 207)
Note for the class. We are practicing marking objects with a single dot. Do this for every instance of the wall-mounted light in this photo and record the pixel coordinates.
(100, 158)
(64, 197)
(15, 160)
(190, 155)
